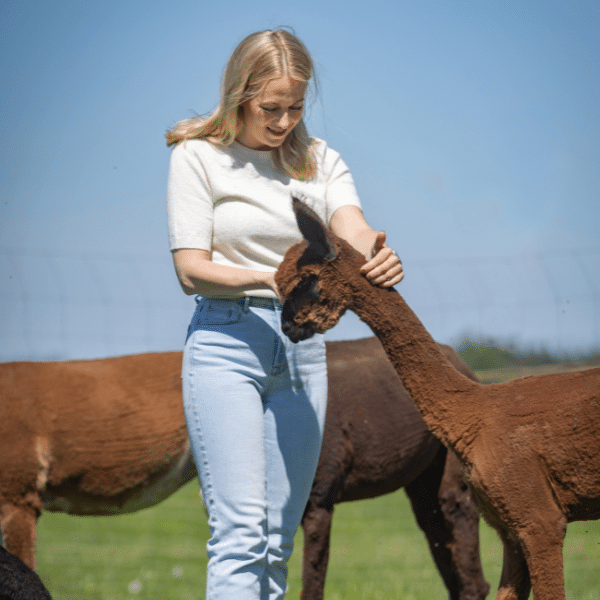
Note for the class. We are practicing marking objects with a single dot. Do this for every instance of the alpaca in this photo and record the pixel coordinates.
(88, 437)
(18, 581)
(376, 442)
(108, 436)
(530, 447)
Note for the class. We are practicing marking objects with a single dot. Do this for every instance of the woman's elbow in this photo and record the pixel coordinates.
(187, 283)
(186, 263)
(187, 287)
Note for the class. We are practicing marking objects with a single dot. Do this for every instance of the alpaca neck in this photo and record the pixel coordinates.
(428, 376)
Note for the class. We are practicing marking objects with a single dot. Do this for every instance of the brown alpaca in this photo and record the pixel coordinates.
(105, 437)
(530, 448)
(376, 442)
(89, 437)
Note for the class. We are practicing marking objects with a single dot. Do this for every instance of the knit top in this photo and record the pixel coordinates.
(233, 202)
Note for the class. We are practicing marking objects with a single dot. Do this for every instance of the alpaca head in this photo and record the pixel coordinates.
(310, 278)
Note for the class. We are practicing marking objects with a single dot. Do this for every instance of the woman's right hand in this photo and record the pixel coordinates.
(271, 283)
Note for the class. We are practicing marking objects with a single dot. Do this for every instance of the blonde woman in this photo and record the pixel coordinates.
(254, 402)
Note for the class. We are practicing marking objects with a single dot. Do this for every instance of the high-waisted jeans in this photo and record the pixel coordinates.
(255, 410)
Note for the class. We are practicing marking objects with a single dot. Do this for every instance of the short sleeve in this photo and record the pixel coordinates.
(189, 199)
(340, 188)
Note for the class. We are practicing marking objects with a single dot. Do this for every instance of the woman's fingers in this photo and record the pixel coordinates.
(384, 269)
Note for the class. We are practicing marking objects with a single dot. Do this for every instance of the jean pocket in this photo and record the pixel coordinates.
(221, 312)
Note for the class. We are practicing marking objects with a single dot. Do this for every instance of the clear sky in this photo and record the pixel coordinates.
(472, 128)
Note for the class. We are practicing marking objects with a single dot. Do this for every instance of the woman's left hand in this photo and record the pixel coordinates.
(385, 268)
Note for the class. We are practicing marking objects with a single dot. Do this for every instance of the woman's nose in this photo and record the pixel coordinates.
(284, 120)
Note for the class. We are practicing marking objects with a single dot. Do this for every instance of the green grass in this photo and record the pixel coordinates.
(378, 553)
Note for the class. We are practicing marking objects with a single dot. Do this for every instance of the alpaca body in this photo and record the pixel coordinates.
(97, 437)
(507, 435)
(530, 447)
(108, 436)
(94, 455)
(558, 437)
(560, 440)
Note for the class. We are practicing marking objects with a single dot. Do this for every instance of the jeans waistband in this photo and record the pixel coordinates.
(247, 301)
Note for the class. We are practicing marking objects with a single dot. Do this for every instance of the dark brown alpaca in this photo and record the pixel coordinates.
(530, 448)
(105, 437)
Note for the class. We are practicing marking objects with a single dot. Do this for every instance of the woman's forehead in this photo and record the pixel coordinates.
(283, 88)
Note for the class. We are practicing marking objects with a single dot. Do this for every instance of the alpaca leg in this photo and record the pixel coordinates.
(18, 531)
(543, 546)
(462, 521)
(316, 525)
(539, 525)
(440, 502)
(533, 548)
(515, 583)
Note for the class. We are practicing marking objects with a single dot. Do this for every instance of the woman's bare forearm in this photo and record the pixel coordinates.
(383, 267)
(197, 274)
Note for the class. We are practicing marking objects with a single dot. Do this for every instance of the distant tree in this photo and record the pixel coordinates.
(484, 355)
(487, 354)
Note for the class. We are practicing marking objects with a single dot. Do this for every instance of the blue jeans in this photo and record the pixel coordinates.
(255, 410)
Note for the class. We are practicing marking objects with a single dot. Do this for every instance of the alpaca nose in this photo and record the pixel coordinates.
(297, 333)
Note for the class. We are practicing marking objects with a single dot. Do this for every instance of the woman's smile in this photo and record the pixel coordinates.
(282, 132)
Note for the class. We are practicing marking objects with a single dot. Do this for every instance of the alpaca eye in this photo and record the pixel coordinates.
(306, 290)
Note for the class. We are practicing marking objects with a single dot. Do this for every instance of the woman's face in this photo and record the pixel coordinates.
(269, 117)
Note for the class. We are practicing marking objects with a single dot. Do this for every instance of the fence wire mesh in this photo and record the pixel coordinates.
(58, 305)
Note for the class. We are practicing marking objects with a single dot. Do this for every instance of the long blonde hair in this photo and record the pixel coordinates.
(260, 57)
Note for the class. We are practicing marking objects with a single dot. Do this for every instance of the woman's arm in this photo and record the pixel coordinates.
(383, 267)
(197, 274)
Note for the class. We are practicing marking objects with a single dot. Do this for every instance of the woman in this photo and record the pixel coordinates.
(254, 402)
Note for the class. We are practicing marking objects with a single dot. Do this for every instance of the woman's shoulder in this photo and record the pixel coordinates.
(200, 150)
(324, 150)
(196, 146)
(327, 157)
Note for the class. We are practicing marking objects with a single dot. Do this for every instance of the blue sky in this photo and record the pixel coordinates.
(471, 127)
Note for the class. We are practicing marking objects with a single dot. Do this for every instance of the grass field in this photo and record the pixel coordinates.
(378, 553)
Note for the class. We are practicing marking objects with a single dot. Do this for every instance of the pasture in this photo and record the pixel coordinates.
(378, 553)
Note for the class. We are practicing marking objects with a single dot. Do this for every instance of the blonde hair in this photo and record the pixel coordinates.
(260, 57)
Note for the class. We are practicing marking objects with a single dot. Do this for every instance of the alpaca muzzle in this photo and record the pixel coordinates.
(296, 332)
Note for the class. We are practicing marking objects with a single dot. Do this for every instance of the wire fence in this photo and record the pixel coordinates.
(58, 306)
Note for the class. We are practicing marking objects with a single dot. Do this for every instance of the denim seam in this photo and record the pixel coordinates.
(207, 494)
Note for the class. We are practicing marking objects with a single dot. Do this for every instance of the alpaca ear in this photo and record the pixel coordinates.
(320, 244)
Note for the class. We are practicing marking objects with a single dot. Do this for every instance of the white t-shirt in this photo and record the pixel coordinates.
(232, 201)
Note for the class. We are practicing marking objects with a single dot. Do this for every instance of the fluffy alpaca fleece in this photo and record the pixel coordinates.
(18, 581)
(530, 448)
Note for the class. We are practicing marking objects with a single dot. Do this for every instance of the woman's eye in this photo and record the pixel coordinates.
(270, 109)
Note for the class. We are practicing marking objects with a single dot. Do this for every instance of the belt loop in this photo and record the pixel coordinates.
(246, 304)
